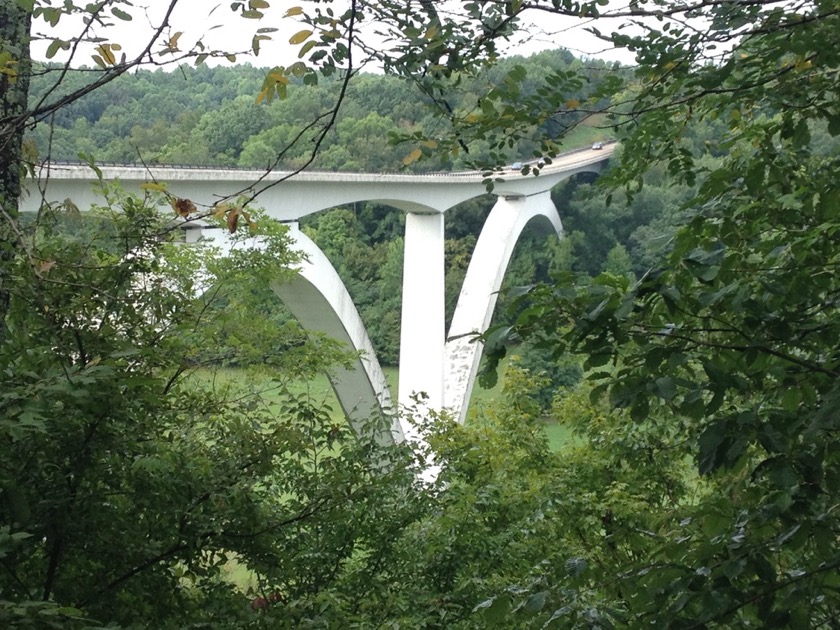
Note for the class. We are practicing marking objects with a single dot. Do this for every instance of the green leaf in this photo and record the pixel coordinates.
(495, 610)
(122, 15)
(712, 441)
(665, 387)
(791, 399)
(536, 602)
(55, 46)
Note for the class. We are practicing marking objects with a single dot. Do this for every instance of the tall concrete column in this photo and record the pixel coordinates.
(423, 317)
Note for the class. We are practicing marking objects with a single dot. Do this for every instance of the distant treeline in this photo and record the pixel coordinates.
(210, 116)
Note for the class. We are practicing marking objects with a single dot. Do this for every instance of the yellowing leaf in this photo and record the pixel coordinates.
(573, 103)
(412, 157)
(108, 57)
(252, 225)
(429, 144)
(70, 207)
(259, 4)
(300, 37)
(219, 210)
(306, 48)
(278, 77)
(155, 186)
(173, 41)
(294, 11)
(8, 66)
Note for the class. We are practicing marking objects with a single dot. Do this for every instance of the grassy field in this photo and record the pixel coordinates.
(593, 129)
(319, 388)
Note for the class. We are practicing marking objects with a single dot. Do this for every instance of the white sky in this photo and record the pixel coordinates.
(220, 28)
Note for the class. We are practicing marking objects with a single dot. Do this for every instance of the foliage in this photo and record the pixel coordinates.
(125, 483)
(729, 345)
(510, 531)
(702, 487)
(208, 116)
(558, 374)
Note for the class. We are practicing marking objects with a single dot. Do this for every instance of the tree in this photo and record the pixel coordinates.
(127, 480)
(726, 349)
(14, 81)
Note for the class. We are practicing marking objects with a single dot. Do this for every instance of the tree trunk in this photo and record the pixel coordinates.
(14, 87)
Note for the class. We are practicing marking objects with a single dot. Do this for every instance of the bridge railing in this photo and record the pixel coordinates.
(242, 169)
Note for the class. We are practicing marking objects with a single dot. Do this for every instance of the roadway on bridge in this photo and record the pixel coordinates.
(289, 196)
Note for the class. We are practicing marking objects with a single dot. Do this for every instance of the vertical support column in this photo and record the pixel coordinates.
(423, 316)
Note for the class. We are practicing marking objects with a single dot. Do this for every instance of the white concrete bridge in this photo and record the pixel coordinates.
(441, 366)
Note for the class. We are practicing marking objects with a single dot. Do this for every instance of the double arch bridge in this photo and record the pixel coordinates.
(441, 366)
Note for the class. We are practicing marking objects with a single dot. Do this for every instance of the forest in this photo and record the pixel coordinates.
(165, 461)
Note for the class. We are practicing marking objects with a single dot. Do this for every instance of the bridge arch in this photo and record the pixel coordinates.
(317, 298)
(479, 293)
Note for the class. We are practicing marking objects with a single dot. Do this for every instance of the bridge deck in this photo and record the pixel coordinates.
(289, 196)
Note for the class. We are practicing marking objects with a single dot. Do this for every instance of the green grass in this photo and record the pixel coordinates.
(587, 132)
(319, 388)
(560, 436)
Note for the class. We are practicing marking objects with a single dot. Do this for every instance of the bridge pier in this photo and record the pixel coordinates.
(440, 370)
(422, 327)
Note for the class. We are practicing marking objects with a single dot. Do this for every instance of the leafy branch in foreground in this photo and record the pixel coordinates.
(728, 345)
(128, 477)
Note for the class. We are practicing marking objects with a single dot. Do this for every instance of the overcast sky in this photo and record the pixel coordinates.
(220, 28)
